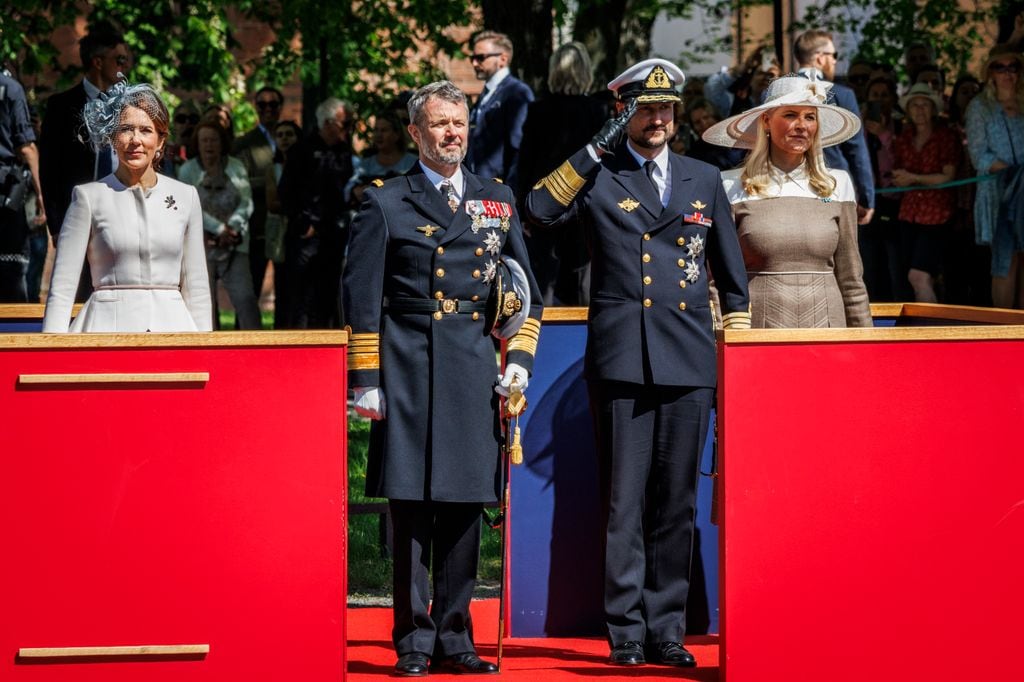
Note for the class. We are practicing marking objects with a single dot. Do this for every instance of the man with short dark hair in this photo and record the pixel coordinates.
(256, 150)
(496, 120)
(423, 257)
(66, 158)
(19, 175)
(815, 53)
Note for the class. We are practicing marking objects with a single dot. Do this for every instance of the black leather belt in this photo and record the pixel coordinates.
(446, 306)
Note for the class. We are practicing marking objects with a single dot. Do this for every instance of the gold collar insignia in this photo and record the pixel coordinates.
(628, 205)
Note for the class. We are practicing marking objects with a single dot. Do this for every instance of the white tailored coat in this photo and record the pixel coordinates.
(148, 261)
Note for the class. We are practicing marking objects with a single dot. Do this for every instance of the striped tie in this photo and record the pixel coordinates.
(449, 193)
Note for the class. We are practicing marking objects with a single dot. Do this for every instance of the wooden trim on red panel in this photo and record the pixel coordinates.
(89, 651)
(144, 378)
(191, 340)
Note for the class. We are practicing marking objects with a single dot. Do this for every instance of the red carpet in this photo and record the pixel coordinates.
(370, 655)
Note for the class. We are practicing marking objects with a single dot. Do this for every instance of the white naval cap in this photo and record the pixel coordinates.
(652, 80)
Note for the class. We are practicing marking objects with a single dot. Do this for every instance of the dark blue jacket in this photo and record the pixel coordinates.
(650, 318)
(497, 130)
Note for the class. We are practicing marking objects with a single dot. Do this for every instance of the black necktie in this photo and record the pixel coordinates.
(449, 194)
(649, 168)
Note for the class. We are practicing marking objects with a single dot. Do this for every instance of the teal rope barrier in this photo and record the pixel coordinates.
(944, 185)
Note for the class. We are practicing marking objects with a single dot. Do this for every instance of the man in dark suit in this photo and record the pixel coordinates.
(657, 222)
(815, 53)
(496, 121)
(66, 158)
(423, 252)
(256, 150)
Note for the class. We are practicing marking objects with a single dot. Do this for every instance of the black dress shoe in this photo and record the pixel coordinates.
(412, 665)
(466, 664)
(672, 653)
(627, 653)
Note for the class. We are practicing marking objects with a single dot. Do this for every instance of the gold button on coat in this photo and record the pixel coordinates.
(440, 250)
(479, 251)
(475, 298)
(682, 284)
(646, 258)
(647, 279)
(647, 236)
(682, 305)
(437, 315)
(476, 316)
(647, 303)
(681, 263)
(439, 272)
(439, 295)
(681, 241)
(476, 273)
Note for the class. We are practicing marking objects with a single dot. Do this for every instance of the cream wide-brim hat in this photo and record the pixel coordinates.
(835, 124)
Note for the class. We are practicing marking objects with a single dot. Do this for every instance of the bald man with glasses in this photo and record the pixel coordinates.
(496, 119)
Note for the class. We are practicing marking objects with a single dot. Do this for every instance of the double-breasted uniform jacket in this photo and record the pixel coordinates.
(440, 439)
(497, 130)
(650, 316)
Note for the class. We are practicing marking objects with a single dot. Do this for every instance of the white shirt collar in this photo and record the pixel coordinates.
(799, 173)
(492, 82)
(436, 179)
(661, 160)
(91, 91)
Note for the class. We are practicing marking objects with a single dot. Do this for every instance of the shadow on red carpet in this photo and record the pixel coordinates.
(370, 655)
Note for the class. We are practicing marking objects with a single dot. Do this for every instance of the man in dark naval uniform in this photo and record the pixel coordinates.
(422, 254)
(657, 223)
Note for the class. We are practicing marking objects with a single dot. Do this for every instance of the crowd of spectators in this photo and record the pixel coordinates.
(280, 195)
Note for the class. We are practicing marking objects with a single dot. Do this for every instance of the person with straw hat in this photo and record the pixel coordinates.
(926, 153)
(995, 141)
(796, 218)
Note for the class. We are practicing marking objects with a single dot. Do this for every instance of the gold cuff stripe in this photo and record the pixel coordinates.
(564, 183)
(526, 338)
(736, 320)
(364, 351)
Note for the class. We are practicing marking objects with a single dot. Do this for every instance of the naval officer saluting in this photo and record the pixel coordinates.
(423, 254)
(657, 223)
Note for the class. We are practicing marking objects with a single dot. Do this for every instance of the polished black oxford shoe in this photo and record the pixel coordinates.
(465, 664)
(672, 653)
(412, 665)
(627, 653)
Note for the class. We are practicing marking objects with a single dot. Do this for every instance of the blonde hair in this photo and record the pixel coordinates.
(757, 174)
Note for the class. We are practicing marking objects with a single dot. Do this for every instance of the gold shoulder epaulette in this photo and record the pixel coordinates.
(377, 182)
(499, 181)
(364, 351)
(526, 338)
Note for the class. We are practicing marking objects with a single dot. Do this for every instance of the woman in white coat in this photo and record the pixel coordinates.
(142, 232)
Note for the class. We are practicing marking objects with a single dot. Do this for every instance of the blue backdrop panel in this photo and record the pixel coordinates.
(556, 537)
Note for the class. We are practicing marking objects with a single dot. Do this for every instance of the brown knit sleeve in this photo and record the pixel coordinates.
(849, 269)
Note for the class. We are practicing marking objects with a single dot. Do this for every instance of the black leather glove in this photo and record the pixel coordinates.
(610, 134)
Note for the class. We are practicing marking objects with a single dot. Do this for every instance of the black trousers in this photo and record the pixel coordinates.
(649, 440)
(444, 536)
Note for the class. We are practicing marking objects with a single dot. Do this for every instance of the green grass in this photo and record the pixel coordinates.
(227, 319)
(368, 571)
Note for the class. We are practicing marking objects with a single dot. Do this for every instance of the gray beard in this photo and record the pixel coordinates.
(443, 158)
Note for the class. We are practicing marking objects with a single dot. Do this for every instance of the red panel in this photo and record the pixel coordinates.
(873, 511)
(176, 515)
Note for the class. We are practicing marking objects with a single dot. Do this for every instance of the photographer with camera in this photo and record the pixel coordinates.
(19, 170)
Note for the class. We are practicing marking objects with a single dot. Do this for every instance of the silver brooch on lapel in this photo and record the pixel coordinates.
(169, 200)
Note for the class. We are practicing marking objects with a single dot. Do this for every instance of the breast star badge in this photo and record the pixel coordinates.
(628, 205)
(428, 230)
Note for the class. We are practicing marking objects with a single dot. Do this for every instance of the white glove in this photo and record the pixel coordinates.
(513, 374)
(369, 402)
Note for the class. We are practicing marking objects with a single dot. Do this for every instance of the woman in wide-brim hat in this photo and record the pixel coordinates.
(995, 141)
(796, 218)
(926, 153)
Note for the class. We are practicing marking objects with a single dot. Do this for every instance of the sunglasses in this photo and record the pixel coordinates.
(187, 118)
(268, 104)
(834, 55)
(1013, 67)
(478, 58)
